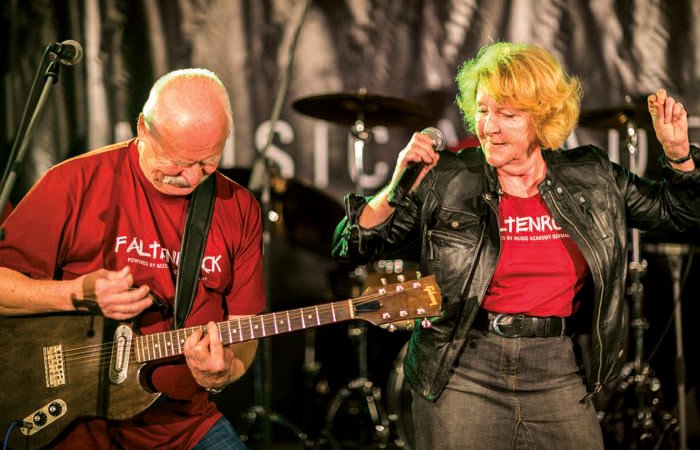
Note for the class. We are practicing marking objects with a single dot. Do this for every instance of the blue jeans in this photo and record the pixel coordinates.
(510, 393)
(221, 436)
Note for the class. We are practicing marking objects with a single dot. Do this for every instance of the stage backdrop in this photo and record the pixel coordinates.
(406, 51)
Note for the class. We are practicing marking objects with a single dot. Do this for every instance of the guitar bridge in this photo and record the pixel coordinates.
(54, 368)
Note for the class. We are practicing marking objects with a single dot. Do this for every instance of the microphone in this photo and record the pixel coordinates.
(68, 52)
(410, 174)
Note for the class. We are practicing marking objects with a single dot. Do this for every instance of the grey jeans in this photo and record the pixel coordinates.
(510, 394)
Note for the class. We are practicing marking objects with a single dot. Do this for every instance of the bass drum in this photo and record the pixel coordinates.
(399, 399)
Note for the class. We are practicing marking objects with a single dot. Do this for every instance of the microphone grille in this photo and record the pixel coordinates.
(436, 136)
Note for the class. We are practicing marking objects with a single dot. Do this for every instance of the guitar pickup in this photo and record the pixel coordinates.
(121, 348)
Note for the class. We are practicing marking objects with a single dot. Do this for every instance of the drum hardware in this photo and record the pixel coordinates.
(297, 236)
(674, 254)
(347, 108)
(632, 418)
(399, 398)
(632, 112)
(360, 110)
(359, 395)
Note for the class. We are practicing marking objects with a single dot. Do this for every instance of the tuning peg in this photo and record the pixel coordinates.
(425, 323)
(401, 278)
(409, 325)
(391, 328)
(383, 281)
(418, 274)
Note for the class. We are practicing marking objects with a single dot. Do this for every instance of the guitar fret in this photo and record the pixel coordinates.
(262, 325)
(153, 346)
(333, 312)
(180, 342)
(301, 314)
(137, 348)
(289, 322)
(351, 309)
(250, 323)
(159, 337)
(274, 320)
(164, 344)
(318, 318)
(169, 343)
(230, 335)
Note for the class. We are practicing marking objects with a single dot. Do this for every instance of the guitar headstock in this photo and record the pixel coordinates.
(412, 299)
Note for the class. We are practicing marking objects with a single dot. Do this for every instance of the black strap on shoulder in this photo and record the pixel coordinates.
(194, 240)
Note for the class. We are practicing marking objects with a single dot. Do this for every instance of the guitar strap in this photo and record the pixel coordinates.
(194, 240)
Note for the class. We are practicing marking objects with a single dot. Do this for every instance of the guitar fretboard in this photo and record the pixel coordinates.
(172, 343)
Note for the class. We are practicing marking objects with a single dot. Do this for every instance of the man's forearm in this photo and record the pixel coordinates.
(20, 294)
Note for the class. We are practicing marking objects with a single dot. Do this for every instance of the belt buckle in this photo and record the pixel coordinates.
(495, 327)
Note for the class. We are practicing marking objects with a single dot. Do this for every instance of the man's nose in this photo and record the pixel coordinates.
(194, 174)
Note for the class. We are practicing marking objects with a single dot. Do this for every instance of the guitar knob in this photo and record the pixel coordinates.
(39, 418)
(425, 323)
(55, 409)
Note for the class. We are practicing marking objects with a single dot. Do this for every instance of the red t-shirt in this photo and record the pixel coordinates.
(99, 211)
(540, 269)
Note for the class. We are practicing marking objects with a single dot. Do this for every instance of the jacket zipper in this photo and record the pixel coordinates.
(598, 385)
(586, 207)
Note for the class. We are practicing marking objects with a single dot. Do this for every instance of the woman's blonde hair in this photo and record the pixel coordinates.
(528, 78)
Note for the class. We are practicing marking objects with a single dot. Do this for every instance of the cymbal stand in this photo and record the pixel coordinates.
(674, 253)
(642, 426)
(361, 386)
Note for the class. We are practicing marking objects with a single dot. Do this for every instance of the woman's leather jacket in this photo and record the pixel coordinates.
(453, 213)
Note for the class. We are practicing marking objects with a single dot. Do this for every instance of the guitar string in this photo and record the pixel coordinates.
(86, 356)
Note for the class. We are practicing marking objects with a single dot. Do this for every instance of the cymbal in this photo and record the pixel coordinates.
(617, 117)
(346, 108)
(307, 217)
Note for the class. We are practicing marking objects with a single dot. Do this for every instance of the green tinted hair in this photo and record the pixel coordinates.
(528, 78)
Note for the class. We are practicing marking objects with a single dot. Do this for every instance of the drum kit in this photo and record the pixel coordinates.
(631, 410)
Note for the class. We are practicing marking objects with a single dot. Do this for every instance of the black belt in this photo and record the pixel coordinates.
(519, 325)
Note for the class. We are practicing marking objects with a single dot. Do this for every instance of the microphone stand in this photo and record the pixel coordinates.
(259, 185)
(27, 125)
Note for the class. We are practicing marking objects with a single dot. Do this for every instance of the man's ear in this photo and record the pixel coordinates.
(141, 125)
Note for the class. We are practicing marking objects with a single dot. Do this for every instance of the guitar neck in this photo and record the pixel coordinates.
(167, 344)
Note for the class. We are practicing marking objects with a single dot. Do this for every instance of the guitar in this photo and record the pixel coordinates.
(61, 367)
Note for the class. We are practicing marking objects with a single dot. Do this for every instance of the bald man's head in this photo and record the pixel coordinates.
(187, 97)
(183, 129)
